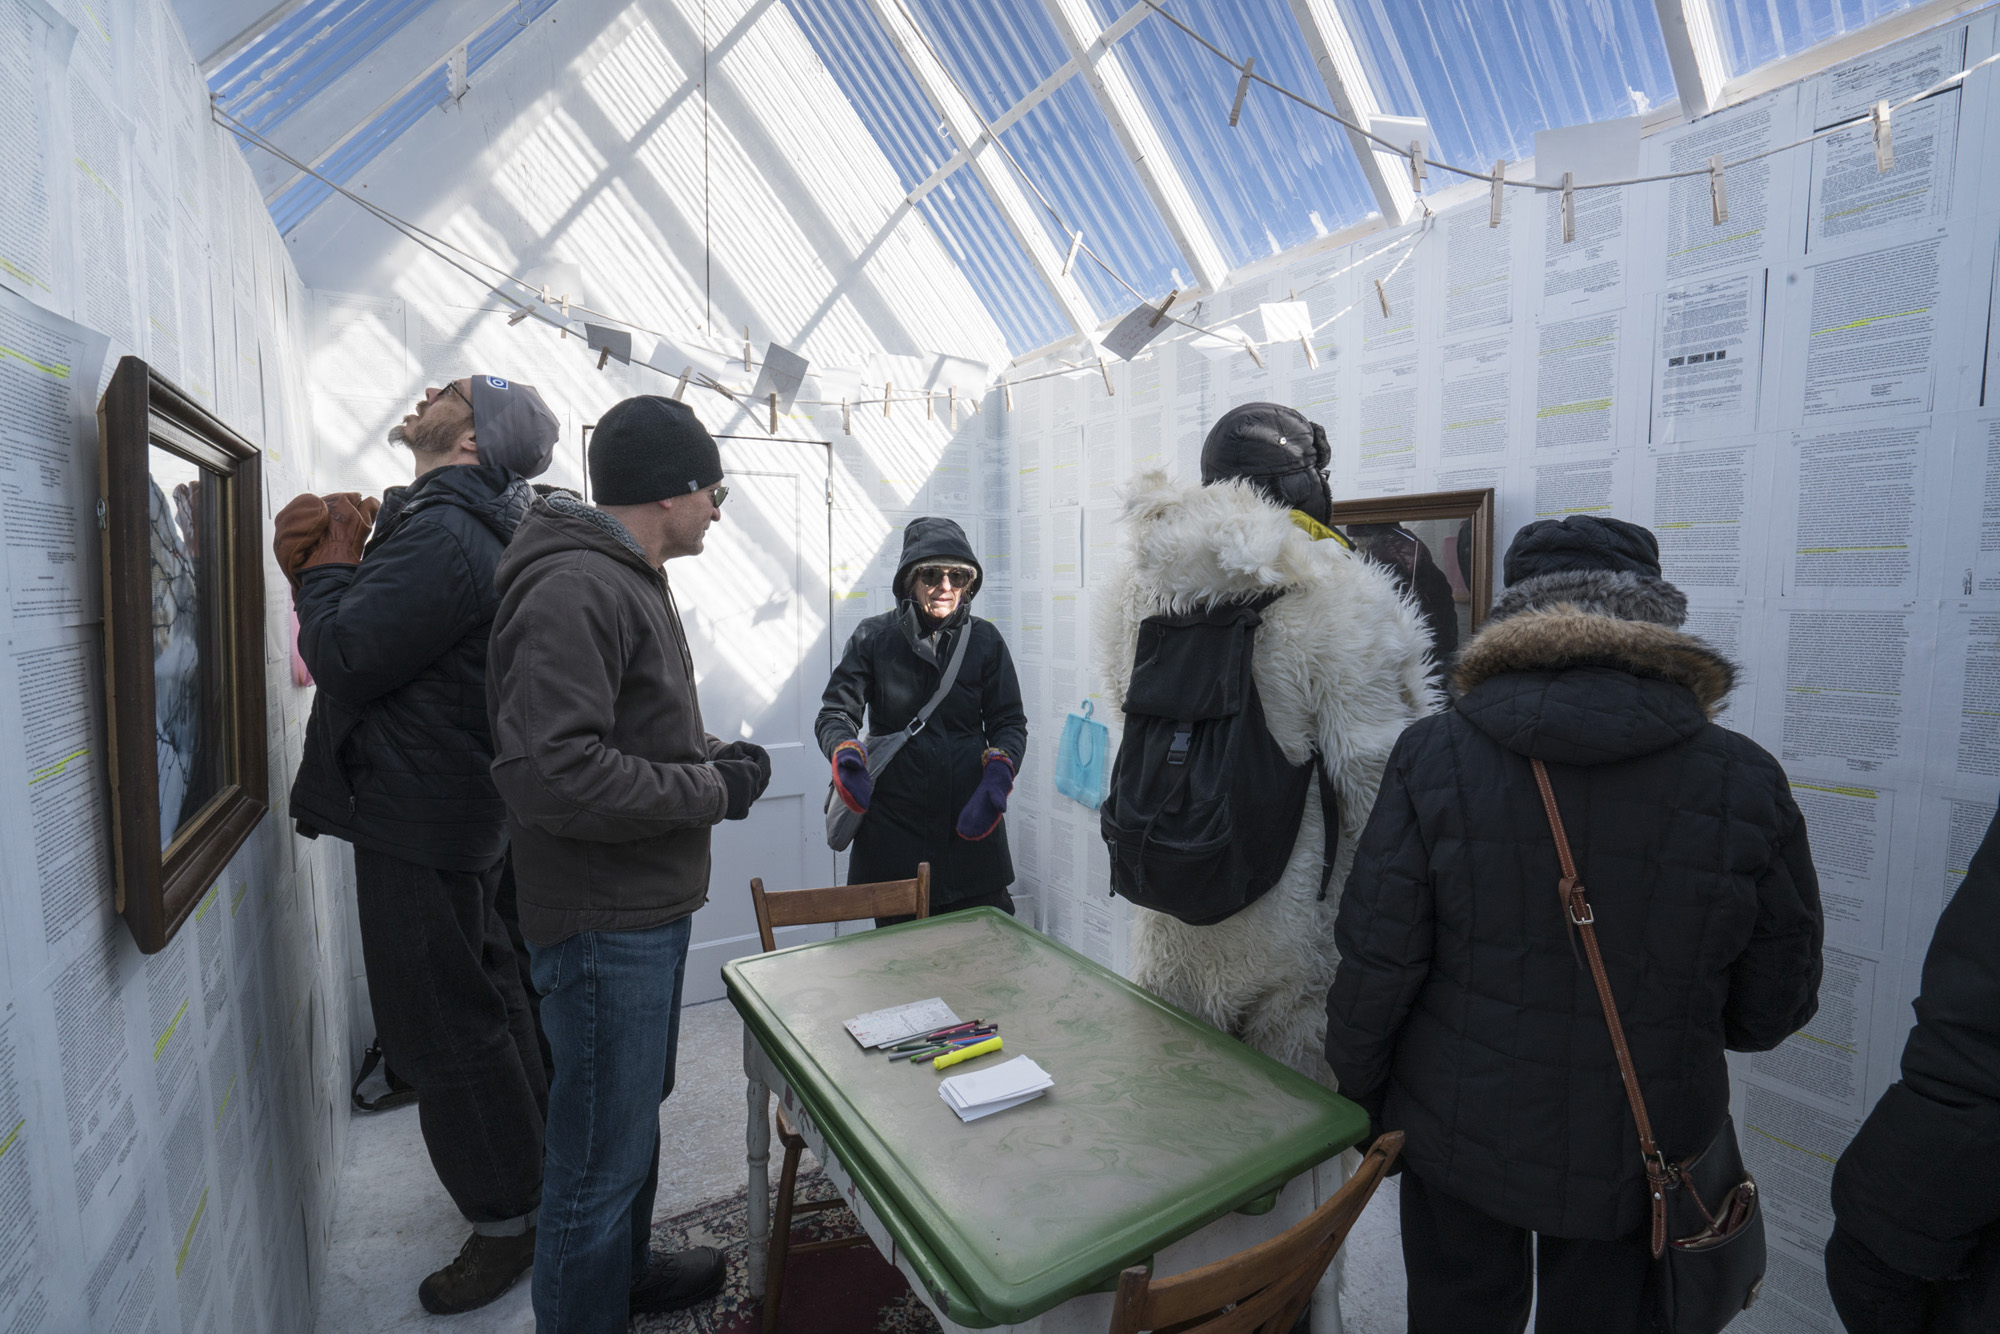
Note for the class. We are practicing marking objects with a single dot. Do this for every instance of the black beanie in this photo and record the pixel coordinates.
(650, 448)
(1275, 449)
(1582, 542)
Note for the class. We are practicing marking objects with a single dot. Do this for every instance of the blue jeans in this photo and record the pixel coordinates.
(611, 1005)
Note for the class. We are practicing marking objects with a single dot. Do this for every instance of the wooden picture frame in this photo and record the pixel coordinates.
(183, 612)
(1424, 516)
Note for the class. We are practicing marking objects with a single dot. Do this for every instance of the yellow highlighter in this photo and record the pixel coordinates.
(965, 1053)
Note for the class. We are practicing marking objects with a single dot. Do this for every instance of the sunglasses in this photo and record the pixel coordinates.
(717, 495)
(931, 576)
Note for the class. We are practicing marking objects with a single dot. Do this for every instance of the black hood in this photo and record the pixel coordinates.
(498, 497)
(930, 538)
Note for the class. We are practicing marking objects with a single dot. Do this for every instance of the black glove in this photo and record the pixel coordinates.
(745, 770)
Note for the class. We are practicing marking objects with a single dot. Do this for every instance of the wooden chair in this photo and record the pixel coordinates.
(801, 907)
(1259, 1291)
(842, 903)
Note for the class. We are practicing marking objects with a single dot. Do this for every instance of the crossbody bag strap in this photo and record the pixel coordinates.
(944, 685)
(1576, 906)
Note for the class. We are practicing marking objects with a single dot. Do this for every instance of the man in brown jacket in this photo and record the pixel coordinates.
(611, 785)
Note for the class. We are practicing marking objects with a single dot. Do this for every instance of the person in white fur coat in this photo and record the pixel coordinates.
(1341, 663)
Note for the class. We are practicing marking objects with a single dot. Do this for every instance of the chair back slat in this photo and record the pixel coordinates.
(839, 903)
(1263, 1288)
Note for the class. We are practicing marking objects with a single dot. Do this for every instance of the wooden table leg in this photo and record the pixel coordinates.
(757, 1138)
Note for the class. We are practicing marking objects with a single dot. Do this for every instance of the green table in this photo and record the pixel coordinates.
(1157, 1126)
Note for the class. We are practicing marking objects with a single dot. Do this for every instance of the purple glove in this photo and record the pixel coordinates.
(850, 776)
(981, 815)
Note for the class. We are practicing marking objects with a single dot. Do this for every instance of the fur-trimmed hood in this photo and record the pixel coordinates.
(1565, 684)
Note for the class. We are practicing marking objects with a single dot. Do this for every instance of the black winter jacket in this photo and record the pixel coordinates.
(1461, 1013)
(397, 749)
(1919, 1187)
(889, 670)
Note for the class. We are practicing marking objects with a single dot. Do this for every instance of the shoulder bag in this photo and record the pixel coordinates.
(1707, 1264)
(841, 823)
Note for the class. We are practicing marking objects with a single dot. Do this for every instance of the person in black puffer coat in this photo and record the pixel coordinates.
(1460, 1013)
(942, 800)
(396, 761)
(1916, 1197)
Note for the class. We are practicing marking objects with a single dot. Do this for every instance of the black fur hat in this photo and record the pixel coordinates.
(1275, 449)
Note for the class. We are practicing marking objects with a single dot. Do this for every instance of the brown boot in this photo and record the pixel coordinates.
(485, 1268)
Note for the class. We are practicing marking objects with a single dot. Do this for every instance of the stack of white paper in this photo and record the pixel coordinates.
(983, 1092)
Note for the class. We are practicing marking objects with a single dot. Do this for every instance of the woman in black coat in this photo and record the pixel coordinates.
(1916, 1197)
(943, 797)
(1461, 1014)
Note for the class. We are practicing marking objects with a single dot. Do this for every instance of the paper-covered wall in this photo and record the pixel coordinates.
(171, 1127)
(1802, 402)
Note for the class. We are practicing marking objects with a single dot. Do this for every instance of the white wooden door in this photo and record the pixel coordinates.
(755, 606)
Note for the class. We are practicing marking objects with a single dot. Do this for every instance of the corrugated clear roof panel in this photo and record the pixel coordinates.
(1285, 174)
(1489, 73)
(1757, 32)
(999, 51)
(277, 74)
(867, 69)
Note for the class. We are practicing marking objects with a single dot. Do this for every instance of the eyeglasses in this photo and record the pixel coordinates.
(451, 387)
(718, 495)
(933, 575)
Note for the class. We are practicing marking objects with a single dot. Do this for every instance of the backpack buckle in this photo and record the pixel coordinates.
(1177, 753)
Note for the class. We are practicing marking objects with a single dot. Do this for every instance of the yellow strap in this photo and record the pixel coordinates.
(1316, 530)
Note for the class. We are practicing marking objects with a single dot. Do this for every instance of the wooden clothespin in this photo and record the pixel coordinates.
(1569, 207)
(1382, 295)
(1251, 348)
(682, 387)
(951, 397)
(1499, 199)
(1105, 370)
(1242, 90)
(746, 347)
(1417, 169)
(603, 357)
(1006, 394)
(565, 305)
(774, 413)
(521, 314)
(846, 419)
(1075, 244)
(1885, 148)
(1718, 192)
(1160, 311)
(888, 396)
(1312, 357)
(930, 406)
(545, 295)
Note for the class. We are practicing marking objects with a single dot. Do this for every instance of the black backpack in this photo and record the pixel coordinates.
(1203, 807)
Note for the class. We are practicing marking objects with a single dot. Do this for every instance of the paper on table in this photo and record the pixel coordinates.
(878, 1028)
(982, 1092)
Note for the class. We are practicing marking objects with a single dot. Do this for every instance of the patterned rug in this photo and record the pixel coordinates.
(849, 1291)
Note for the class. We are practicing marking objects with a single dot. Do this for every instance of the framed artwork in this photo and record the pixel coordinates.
(182, 528)
(1441, 547)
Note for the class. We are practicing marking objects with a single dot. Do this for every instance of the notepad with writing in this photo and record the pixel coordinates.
(879, 1028)
(982, 1092)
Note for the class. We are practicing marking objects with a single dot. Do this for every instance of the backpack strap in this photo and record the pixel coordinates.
(1329, 814)
(1576, 907)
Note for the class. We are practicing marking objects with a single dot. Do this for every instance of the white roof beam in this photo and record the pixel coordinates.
(1105, 71)
(1694, 50)
(962, 120)
(1346, 78)
(1039, 94)
(270, 19)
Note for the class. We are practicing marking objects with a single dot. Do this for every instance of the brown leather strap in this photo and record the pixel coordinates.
(1576, 906)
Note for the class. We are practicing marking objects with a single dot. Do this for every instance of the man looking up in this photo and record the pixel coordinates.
(397, 755)
(612, 785)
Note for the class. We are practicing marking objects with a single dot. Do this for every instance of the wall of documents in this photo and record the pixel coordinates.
(1803, 402)
(171, 1127)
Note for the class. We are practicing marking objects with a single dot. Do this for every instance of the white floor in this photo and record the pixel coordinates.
(395, 1223)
